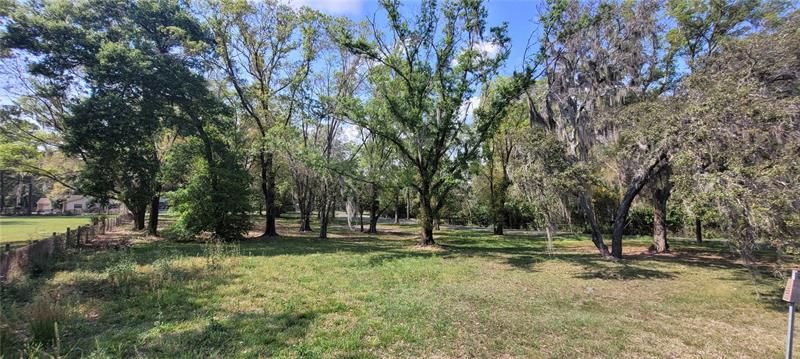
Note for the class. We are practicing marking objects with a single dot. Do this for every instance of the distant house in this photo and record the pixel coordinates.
(77, 204)
(43, 205)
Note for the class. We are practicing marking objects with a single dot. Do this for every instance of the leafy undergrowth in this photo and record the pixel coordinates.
(354, 295)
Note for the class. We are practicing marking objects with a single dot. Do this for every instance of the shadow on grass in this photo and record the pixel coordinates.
(260, 335)
(523, 262)
(624, 272)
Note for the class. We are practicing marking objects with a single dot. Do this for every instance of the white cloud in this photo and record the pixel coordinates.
(488, 49)
(485, 49)
(334, 7)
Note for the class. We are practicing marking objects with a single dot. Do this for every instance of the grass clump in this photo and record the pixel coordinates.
(122, 272)
(217, 253)
(165, 271)
(43, 317)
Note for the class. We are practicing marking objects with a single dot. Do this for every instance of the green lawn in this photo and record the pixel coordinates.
(23, 229)
(357, 296)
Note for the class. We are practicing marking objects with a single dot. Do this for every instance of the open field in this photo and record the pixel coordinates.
(358, 296)
(22, 229)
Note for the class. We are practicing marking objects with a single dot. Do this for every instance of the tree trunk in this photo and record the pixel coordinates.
(152, 227)
(305, 201)
(498, 228)
(660, 221)
(426, 238)
(18, 194)
(268, 189)
(2, 191)
(373, 210)
(499, 204)
(634, 187)
(328, 211)
(408, 204)
(323, 219)
(619, 223)
(425, 219)
(698, 230)
(661, 195)
(323, 227)
(361, 217)
(373, 225)
(396, 207)
(30, 194)
(588, 210)
(138, 217)
(305, 221)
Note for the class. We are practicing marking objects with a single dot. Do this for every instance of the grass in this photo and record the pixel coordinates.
(22, 229)
(358, 296)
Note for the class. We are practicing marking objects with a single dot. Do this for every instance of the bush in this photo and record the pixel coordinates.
(214, 200)
(481, 215)
(640, 220)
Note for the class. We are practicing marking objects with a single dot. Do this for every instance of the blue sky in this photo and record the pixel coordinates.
(520, 15)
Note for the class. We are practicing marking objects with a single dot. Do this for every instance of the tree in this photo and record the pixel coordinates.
(701, 27)
(123, 55)
(381, 176)
(743, 125)
(265, 50)
(34, 119)
(599, 58)
(210, 179)
(425, 71)
(497, 153)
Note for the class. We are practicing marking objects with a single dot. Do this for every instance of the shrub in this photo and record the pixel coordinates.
(640, 220)
(213, 198)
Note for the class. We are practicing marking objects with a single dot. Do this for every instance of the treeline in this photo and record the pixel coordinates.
(623, 116)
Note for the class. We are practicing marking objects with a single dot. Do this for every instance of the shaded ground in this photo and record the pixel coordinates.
(476, 295)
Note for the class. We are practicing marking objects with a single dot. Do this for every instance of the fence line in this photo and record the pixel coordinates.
(38, 255)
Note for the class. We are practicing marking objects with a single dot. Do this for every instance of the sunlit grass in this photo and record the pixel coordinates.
(22, 229)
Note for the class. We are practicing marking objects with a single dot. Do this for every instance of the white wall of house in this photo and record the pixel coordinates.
(76, 204)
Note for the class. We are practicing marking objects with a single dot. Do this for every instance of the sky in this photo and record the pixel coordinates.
(520, 15)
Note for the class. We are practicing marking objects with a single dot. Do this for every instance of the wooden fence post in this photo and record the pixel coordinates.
(66, 239)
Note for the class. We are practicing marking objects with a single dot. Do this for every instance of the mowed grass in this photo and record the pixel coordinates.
(359, 296)
(22, 229)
